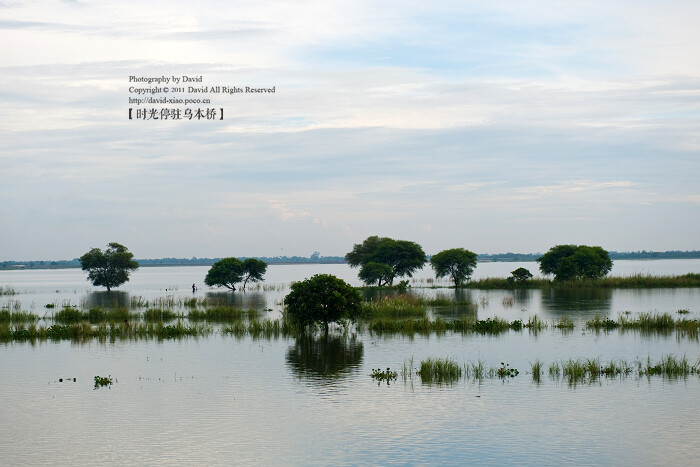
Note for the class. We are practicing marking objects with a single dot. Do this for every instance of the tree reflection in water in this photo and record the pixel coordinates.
(325, 358)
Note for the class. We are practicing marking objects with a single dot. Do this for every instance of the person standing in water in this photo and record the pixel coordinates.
(194, 288)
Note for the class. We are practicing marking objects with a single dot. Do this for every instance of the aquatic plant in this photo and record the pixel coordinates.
(536, 369)
(101, 381)
(439, 371)
(505, 371)
(386, 376)
(397, 306)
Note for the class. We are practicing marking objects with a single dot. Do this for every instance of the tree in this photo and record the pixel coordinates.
(253, 270)
(380, 273)
(323, 298)
(402, 256)
(110, 268)
(225, 273)
(569, 262)
(520, 275)
(457, 263)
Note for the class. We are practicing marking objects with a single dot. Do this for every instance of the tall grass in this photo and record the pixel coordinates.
(439, 371)
(397, 306)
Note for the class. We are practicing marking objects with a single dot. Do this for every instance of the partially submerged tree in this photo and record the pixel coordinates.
(110, 268)
(402, 256)
(253, 270)
(322, 298)
(380, 273)
(226, 272)
(457, 263)
(569, 262)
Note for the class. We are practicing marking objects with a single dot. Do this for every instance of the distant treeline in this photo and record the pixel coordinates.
(317, 259)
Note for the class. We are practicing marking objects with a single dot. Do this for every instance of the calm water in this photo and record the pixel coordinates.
(229, 400)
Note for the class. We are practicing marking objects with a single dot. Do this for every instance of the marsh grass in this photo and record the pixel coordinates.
(535, 325)
(564, 324)
(669, 367)
(156, 314)
(397, 306)
(439, 371)
(222, 314)
(646, 322)
(7, 316)
(536, 370)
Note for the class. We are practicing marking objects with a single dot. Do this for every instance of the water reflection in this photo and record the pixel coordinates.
(242, 300)
(585, 302)
(104, 299)
(325, 359)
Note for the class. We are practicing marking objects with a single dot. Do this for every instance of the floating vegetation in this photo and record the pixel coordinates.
(534, 324)
(565, 324)
(386, 376)
(505, 371)
(101, 381)
(439, 371)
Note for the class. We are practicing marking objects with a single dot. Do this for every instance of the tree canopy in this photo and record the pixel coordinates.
(381, 273)
(569, 262)
(322, 298)
(404, 257)
(456, 263)
(110, 268)
(253, 270)
(226, 272)
(520, 275)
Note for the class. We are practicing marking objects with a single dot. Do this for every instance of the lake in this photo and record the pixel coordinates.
(227, 399)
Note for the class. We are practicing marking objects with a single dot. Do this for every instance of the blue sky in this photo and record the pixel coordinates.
(493, 126)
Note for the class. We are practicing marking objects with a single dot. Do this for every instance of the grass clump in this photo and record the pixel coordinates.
(669, 367)
(397, 306)
(386, 376)
(7, 316)
(101, 381)
(536, 369)
(439, 371)
(157, 314)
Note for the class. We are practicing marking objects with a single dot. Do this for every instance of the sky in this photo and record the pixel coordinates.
(498, 127)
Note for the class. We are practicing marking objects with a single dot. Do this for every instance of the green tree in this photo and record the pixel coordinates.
(402, 256)
(226, 272)
(568, 262)
(380, 273)
(110, 268)
(253, 270)
(520, 275)
(456, 263)
(323, 298)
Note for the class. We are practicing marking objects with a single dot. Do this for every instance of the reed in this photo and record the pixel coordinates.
(439, 371)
